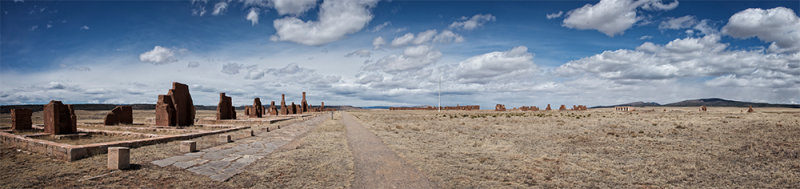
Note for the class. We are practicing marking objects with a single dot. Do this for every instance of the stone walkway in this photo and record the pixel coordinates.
(376, 166)
(222, 162)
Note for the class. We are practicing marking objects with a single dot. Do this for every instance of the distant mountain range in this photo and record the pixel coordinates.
(706, 102)
(39, 107)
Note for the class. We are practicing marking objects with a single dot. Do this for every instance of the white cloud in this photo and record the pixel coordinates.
(293, 7)
(34, 27)
(678, 23)
(687, 58)
(490, 66)
(232, 68)
(193, 64)
(219, 8)
(403, 40)
(337, 18)
(84, 27)
(476, 21)
(645, 37)
(380, 26)
(554, 15)
(424, 37)
(779, 25)
(160, 55)
(49, 26)
(611, 17)
(199, 7)
(378, 42)
(364, 53)
(448, 36)
(253, 16)
(412, 59)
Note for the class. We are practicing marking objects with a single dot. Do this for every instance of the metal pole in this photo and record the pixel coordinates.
(440, 93)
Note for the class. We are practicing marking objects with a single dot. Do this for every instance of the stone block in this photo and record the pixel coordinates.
(21, 119)
(119, 157)
(188, 146)
(225, 138)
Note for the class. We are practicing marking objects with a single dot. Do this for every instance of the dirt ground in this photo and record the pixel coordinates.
(320, 150)
(651, 147)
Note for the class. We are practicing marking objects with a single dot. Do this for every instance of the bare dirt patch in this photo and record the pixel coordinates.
(679, 147)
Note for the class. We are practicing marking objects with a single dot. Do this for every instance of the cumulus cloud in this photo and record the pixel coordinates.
(413, 58)
(161, 55)
(337, 18)
(690, 57)
(448, 36)
(611, 17)
(474, 22)
(554, 15)
(678, 23)
(378, 42)
(199, 7)
(84, 27)
(253, 16)
(779, 25)
(490, 66)
(424, 37)
(219, 8)
(293, 7)
(403, 40)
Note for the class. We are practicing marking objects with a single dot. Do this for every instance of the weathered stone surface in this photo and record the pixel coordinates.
(257, 110)
(225, 108)
(165, 111)
(304, 103)
(284, 109)
(703, 108)
(500, 107)
(59, 118)
(119, 157)
(273, 110)
(119, 115)
(322, 107)
(750, 109)
(188, 146)
(293, 109)
(548, 108)
(562, 108)
(21, 119)
(184, 107)
(225, 138)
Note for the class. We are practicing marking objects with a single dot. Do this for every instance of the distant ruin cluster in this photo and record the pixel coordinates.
(501, 107)
(257, 110)
(457, 107)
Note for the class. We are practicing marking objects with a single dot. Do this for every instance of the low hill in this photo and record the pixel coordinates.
(718, 102)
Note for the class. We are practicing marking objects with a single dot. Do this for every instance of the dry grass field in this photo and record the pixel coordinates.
(651, 147)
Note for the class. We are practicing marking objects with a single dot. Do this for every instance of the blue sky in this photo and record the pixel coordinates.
(368, 52)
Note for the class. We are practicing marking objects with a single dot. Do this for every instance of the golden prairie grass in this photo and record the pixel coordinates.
(651, 147)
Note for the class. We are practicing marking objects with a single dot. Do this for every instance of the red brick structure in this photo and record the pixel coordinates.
(119, 115)
(182, 113)
(750, 109)
(21, 119)
(500, 107)
(257, 110)
(304, 104)
(292, 109)
(225, 109)
(273, 110)
(59, 118)
(284, 109)
(548, 108)
(703, 108)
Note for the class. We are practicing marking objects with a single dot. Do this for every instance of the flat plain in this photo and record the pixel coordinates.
(651, 147)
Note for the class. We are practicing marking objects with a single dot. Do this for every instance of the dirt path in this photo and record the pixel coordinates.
(375, 165)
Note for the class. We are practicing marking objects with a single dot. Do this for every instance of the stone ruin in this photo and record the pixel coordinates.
(299, 109)
(562, 108)
(225, 109)
(623, 108)
(548, 108)
(293, 109)
(579, 107)
(176, 107)
(273, 110)
(703, 108)
(750, 109)
(322, 107)
(257, 110)
(500, 107)
(21, 119)
(284, 109)
(59, 118)
(528, 108)
(304, 104)
(119, 115)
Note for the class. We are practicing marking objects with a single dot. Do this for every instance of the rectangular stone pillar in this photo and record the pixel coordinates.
(21, 119)
(188, 146)
(119, 157)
